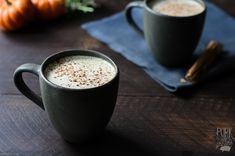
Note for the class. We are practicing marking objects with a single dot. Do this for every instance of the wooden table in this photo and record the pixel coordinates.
(147, 120)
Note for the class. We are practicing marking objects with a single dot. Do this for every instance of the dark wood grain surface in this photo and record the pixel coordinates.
(147, 120)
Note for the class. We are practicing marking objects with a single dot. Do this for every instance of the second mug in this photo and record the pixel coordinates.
(172, 28)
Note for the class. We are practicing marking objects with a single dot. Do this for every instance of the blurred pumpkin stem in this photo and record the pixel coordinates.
(8, 2)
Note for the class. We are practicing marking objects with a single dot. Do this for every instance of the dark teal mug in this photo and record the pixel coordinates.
(171, 39)
(77, 114)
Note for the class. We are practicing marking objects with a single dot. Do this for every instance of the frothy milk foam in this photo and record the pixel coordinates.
(80, 72)
(179, 8)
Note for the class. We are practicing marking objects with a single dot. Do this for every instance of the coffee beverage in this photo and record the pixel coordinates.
(180, 8)
(78, 114)
(79, 72)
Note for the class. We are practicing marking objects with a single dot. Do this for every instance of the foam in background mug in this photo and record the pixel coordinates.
(78, 91)
(172, 28)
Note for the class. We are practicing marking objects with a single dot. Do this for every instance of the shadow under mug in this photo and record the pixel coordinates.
(78, 115)
(171, 39)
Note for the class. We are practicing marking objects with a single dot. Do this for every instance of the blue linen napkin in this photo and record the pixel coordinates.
(119, 36)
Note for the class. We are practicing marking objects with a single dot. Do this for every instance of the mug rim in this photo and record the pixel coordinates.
(71, 52)
(148, 8)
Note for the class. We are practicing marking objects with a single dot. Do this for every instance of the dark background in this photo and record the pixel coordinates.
(147, 120)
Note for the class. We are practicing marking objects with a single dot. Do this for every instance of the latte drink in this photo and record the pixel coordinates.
(80, 72)
(179, 8)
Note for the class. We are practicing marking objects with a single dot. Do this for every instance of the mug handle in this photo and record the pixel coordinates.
(23, 88)
(130, 20)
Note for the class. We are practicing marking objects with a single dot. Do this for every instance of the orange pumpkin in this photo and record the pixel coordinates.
(14, 14)
(49, 9)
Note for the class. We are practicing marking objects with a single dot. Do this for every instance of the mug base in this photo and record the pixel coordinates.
(84, 139)
(174, 62)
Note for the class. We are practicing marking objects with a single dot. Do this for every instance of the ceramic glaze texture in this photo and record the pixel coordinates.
(171, 39)
(78, 114)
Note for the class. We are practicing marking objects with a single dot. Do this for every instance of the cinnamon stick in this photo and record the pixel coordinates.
(210, 55)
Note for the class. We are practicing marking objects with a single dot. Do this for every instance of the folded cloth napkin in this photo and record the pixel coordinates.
(119, 36)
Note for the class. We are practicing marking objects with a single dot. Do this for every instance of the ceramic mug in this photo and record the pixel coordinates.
(171, 39)
(77, 114)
